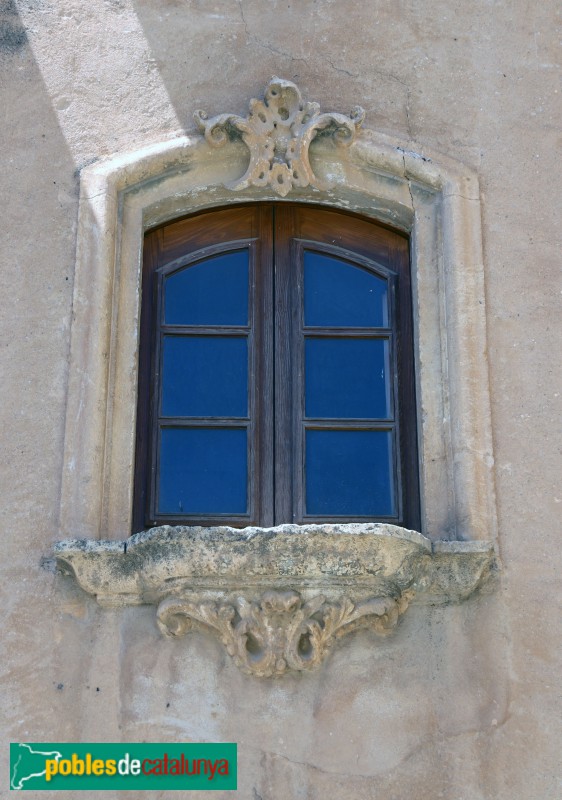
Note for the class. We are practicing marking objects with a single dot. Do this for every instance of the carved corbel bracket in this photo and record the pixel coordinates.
(277, 598)
(279, 631)
(278, 132)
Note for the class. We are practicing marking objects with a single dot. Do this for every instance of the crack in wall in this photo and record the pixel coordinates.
(325, 59)
(408, 121)
(341, 69)
(265, 45)
(407, 178)
(436, 741)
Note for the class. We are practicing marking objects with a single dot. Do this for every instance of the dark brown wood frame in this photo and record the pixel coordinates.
(276, 235)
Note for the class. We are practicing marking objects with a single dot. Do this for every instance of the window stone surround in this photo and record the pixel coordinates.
(279, 598)
(434, 199)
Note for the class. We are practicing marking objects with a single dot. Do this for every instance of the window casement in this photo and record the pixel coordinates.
(276, 371)
(274, 377)
(433, 200)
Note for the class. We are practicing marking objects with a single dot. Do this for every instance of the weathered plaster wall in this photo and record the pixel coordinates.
(461, 703)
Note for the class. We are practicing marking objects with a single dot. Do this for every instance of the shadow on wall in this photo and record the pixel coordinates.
(205, 52)
(12, 33)
(39, 184)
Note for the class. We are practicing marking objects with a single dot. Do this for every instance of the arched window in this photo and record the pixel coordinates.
(276, 379)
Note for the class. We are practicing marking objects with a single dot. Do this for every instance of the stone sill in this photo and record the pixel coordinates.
(150, 565)
(277, 597)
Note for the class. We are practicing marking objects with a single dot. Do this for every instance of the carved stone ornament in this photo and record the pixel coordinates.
(278, 132)
(277, 598)
(280, 631)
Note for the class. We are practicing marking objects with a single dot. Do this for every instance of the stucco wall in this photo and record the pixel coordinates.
(461, 702)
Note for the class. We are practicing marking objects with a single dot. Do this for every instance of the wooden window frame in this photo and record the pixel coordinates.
(277, 485)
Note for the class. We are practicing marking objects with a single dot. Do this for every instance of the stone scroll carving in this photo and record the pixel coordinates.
(280, 631)
(278, 131)
(277, 598)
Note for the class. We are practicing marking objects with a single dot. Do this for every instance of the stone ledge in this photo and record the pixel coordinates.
(277, 598)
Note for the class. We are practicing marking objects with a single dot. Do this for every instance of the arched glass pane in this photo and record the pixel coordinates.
(203, 471)
(349, 473)
(212, 292)
(347, 378)
(341, 295)
(205, 376)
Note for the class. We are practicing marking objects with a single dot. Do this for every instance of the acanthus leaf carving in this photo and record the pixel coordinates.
(278, 132)
(280, 631)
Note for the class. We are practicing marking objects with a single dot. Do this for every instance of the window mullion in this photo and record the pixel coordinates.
(284, 313)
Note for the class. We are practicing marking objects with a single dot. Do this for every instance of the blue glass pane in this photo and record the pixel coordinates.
(349, 473)
(212, 292)
(203, 471)
(205, 376)
(347, 378)
(338, 294)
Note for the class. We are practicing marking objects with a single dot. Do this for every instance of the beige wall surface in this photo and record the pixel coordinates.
(461, 702)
